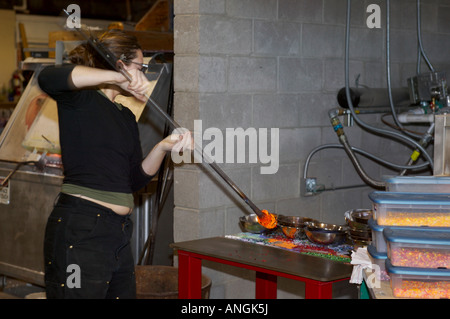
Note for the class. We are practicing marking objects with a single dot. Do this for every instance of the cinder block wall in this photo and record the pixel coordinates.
(279, 64)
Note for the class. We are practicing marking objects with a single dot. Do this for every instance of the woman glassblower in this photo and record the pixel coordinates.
(89, 228)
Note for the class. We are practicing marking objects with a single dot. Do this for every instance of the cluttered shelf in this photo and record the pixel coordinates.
(6, 109)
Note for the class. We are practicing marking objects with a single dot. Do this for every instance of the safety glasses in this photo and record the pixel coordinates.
(144, 67)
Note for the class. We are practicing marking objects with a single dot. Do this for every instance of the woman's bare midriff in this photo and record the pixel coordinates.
(118, 209)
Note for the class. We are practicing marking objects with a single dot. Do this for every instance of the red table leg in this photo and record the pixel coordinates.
(266, 286)
(318, 290)
(190, 279)
(189, 276)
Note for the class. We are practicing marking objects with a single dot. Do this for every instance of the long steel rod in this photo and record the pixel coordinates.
(112, 60)
(209, 161)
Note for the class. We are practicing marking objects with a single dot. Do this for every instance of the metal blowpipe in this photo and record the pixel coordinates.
(113, 62)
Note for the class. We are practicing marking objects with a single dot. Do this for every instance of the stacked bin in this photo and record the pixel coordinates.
(411, 229)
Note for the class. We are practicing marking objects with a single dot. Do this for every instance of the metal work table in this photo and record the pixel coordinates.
(317, 273)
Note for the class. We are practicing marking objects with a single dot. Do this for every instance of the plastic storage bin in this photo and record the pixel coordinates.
(422, 283)
(411, 209)
(378, 240)
(418, 248)
(418, 184)
(378, 259)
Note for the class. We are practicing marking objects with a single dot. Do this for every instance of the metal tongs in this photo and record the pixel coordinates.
(113, 62)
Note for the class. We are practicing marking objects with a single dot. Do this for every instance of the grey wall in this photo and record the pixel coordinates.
(279, 64)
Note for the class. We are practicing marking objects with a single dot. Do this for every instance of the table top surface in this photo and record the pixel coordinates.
(271, 258)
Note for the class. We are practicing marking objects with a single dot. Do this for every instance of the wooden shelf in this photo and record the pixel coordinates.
(149, 40)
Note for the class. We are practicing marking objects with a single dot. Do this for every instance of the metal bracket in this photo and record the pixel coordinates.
(308, 186)
(4, 192)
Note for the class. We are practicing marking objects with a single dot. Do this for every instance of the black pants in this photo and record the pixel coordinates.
(87, 252)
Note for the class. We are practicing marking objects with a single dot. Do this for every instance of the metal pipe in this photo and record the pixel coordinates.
(388, 76)
(364, 97)
(112, 60)
(416, 118)
(388, 133)
(419, 42)
(338, 128)
(358, 167)
(360, 151)
(426, 139)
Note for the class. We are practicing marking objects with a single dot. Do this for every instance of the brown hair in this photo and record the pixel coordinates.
(121, 44)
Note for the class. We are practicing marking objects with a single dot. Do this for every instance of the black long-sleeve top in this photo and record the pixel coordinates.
(99, 140)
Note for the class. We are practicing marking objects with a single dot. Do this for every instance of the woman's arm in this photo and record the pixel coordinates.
(83, 76)
(58, 81)
(174, 142)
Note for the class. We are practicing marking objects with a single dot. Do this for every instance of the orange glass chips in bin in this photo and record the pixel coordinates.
(420, 248)
(419, 283)
(411, 209)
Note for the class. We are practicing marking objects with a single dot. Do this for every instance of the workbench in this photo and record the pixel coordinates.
(317, 273)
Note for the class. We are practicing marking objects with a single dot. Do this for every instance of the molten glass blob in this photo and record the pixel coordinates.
(267, 220)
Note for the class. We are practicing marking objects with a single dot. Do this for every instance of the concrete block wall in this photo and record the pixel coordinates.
(279, 64)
